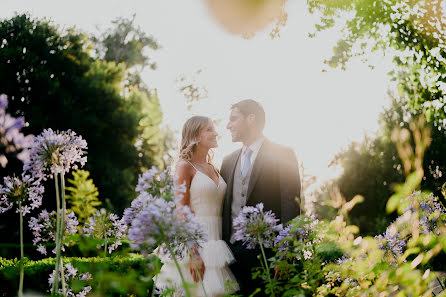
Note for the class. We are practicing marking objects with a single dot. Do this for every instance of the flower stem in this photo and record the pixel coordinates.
(153, 287)
(62, 273)
(55, 287)
(21, 251)
(196, 268)
(105, 245)
(186, 290)
(266, 265)
(62, 228)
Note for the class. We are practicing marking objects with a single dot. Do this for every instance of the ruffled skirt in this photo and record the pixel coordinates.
(218, 279)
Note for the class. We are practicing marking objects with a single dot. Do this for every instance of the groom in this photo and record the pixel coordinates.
(260, 172)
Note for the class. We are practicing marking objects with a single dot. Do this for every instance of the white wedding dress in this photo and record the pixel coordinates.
(206, 201)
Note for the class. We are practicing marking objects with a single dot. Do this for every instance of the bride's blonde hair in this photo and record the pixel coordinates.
(189, 137)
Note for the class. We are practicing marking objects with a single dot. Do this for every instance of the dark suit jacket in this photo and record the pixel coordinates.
(274, 181)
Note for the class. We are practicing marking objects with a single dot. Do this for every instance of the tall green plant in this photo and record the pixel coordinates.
(83, 195)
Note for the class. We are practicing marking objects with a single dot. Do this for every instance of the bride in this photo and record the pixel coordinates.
(205, 190)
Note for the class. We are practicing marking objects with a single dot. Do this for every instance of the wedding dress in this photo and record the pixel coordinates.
(206, 201)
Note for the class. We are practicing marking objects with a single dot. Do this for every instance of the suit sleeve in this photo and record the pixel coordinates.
(223, 169)
(290, 186)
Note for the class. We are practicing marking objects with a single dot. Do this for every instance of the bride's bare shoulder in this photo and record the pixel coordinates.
(184, 169)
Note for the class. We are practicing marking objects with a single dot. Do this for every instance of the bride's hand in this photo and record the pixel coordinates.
(198, 265)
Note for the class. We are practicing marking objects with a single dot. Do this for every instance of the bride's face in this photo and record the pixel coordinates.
(208, 136)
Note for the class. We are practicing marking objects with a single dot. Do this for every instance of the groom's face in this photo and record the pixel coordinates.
(238, 125)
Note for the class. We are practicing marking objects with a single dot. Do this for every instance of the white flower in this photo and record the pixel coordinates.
(106, 226)
(70, 270)
(41, 249)
(24, 191)
(44, 228)
(56, 152)
(70, 275)
(307, 254)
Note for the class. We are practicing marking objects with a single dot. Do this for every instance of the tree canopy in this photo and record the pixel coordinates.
(53, 79)
(414, 30)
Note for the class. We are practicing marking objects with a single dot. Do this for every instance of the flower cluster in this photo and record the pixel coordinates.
(138, 204)
(432, 214)
(24, 191)
(44, 228)
(429, 213)
(71, 274)
(159, 184)
(56, 152)
(391, 242)
(300, 229)
(106, 226)
(161, 221)
(11, 139)
(253, 225)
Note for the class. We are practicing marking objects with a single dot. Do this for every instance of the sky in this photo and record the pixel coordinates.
(315, 112)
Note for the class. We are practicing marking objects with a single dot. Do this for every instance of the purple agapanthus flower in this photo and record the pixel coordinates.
(299, 229)
(391, 242)
(71, 274)
(25, 190)
(427, 210)
(146, 180)
(253, 225)
(431, 213)
(3, 102)
(160, 184)
(56, 152)
(44, 228)
(11, 139)
(106, 226)
(162, 221)
(138, 204)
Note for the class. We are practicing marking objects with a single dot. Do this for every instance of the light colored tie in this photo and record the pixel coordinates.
(246, 162)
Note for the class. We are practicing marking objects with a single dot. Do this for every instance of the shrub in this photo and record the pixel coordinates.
(120, 275)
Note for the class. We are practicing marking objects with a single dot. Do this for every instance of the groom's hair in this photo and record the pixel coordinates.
(249, 106)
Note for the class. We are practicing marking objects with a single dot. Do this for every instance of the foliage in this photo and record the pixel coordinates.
(372, 167)
(54, 81)
(413, 30)
(112, 276)
(83, 195)
(126, 43)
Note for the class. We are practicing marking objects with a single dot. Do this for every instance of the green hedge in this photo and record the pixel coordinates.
(121, 275)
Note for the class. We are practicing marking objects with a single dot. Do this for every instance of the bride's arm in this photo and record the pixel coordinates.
(185, 172)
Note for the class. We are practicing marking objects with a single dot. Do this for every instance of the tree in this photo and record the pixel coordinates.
(54, 81)
(416, 32)
(371, 168)
(126, 43)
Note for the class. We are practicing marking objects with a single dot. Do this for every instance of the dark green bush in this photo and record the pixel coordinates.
(328, 251)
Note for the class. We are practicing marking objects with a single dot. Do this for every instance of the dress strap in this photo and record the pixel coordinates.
(192, 165)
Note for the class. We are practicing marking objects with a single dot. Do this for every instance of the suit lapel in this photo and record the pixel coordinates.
(257, 167)
(230, 182)
(227, 206)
